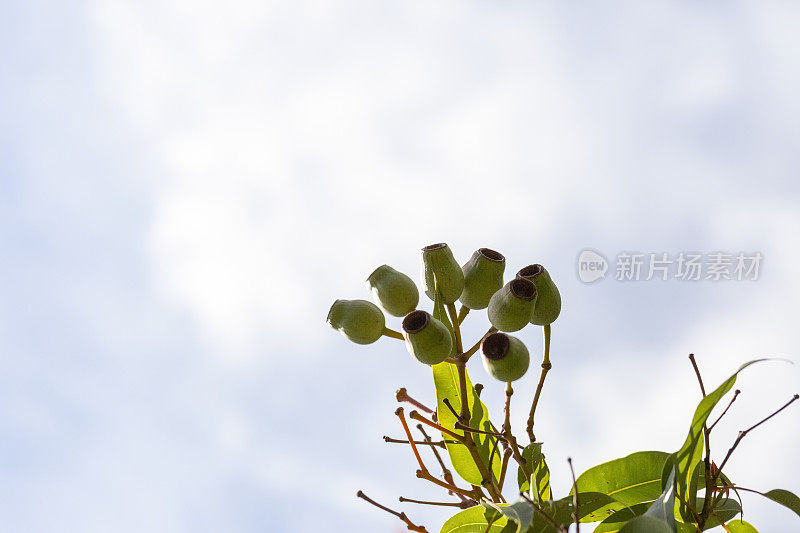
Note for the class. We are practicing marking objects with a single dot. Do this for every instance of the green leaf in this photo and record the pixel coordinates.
(617, 519)
(664, 507)
(628, 480)
(534, 459)
(740, 526)
(692, 450)
(445, 379)
(525, 517)
(785, 498)
(646, 524)
(614, 523)
(723, 511)
(447, 384)
(472, 520)
(520, 512)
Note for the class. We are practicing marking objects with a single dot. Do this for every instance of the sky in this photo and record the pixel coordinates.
(186, 187)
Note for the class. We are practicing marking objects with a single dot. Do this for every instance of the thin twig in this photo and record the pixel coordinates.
(470, 429)
(742, 434)
(402, 516)
(506, 456)
(401, 416)
(449, 405)
(436, 443)
(464, 504)
(509, 436)
(536, 506)
(707, 459)
(446, 474)
(736, 393)
(418, 417)
(546, 366)
(474, 494)
(575, 501)
(403, 396)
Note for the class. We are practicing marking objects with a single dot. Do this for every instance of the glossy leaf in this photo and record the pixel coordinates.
(646, 524)
(447, 384)
(785, 498)
(692, 450)
(446, 381)
(614, 523)
(664, 507)
(628, 480)
(526, 518)
(535, 462)
(472, 520)
(740, 526)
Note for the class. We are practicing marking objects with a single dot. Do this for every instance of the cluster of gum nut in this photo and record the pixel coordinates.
(530, 298)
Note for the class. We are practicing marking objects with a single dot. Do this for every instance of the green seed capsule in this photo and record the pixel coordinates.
(438, 259)
(510, 308)
(395, 292)
(359, 320)
(504, 357)
(548, 301)
(427, 338)
(483, 276)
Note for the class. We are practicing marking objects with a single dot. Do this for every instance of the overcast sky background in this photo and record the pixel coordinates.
(185, 187)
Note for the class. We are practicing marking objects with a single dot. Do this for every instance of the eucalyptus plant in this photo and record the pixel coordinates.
(649, 491)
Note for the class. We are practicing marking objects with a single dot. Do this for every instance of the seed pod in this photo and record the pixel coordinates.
(483, 276)
(510, 308)
(427, 338)
(359, 320)
(504, 357)
(548, 301)
(438, 259)
(395, 292)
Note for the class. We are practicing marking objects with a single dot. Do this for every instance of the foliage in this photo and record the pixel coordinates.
(647, 491)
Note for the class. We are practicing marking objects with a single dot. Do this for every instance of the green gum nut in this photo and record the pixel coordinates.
(427, 338)
(359, 320)
(438, 259)
(510, 308)
(504, 357)
(483, 276)
(548, 301)
(395, 292)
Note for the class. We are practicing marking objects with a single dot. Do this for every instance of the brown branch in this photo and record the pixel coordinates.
(506, 456)
(403, 396)
(436, 443)
(446, 402)
(707, 459)
(401, 416)
(536, 506)
(402, 516)
(419, 418)
(464, 504)
(736, 393)
(446, 474)
(474, 494)
(742, 435)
